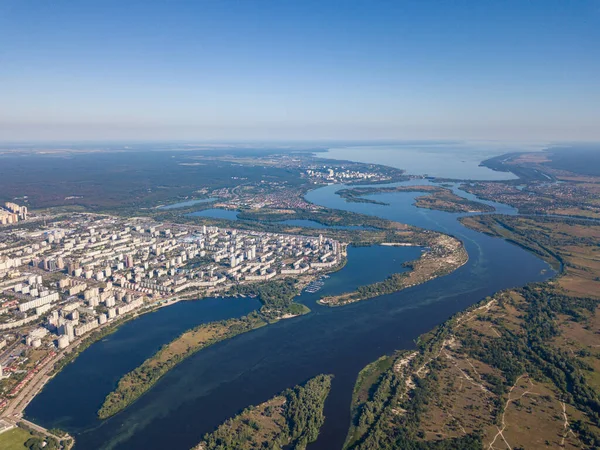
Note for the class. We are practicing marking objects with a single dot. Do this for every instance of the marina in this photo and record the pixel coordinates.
(317, 285)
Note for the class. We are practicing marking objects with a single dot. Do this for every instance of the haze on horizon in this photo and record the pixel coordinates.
(156, 70)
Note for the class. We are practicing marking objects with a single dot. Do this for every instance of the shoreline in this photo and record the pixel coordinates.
(433, 197)
(15, 411)
(252, 321)
(424, 270)
(16, 406)
(124, 386)
(168, 302)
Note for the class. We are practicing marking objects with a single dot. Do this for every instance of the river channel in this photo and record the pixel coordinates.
(219, 381)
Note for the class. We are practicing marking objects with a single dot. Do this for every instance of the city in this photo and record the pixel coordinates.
(89, 270)
(299, 225)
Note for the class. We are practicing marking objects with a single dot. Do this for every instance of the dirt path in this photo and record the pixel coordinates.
(510, 399)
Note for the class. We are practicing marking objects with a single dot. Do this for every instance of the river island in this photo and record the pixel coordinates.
(396, 389)
(437, 198)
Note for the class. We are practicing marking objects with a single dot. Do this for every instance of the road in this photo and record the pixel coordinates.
(30, 390)
(19, 403)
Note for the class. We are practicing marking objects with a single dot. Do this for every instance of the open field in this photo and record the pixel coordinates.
(567, 242)
(14, 439)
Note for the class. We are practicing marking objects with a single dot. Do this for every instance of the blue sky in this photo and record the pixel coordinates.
(527, 69)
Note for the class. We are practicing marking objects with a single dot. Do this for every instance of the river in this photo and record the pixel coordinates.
(221, 380)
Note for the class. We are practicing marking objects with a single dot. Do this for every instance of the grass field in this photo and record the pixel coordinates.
(14, 439)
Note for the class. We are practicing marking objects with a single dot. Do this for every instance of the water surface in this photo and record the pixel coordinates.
(82, 385)
(216, 213)
(458, 160)
(219, 381)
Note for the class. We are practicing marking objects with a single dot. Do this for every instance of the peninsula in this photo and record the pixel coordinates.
(445, 255)
(135, 383)
(521, 360)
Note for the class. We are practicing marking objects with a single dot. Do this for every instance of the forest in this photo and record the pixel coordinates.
(290, 420)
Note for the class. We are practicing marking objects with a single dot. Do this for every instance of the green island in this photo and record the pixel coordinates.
(137, 382)
(519, 367)
(437, 198)
(445, 255)
(277, 298)
(289, 420)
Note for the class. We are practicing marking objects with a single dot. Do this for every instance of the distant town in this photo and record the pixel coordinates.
(12, 213)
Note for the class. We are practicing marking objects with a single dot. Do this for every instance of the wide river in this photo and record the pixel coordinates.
(221, 380)
(444, 159)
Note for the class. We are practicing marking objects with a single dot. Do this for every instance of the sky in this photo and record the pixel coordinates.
(280, 69)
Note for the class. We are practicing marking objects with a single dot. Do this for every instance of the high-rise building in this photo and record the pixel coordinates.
(8, 218)
(63, 341)
(72, 266)
(129, 261)
(53, 319)
(19, 212)
(68, 330)
(52, 266)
